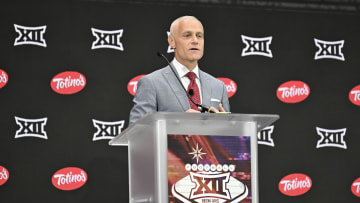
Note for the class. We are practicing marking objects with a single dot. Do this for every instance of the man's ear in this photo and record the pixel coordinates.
(171, 41)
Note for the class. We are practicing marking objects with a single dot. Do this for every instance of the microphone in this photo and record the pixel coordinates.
(191, 91)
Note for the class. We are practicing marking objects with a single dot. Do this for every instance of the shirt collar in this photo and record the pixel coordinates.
(182, 70)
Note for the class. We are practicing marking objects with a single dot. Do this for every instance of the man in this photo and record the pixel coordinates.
(161, 91)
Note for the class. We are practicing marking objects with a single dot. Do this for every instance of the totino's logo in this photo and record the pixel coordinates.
(31, 128)
(170, 49)
(107, 39)
(107, 130)
(30, 35)
(231, 86)
(295, 184)
(265, 136)
(69, 178)
(3, 78)
(293, 92)
(331, 138)
(4, 175)
(355, 187)
(69, 82)
(209, 183)
(132, 85)
(330, 50)
(354, 95)
(256, 46)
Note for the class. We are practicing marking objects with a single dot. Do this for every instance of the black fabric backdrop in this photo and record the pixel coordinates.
(32, 162)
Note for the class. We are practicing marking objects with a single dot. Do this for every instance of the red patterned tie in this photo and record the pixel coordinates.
(195, 90)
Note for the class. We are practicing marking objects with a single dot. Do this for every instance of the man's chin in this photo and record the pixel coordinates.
(191, 59)
(195, 57)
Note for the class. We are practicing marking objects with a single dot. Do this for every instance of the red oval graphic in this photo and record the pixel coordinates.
(293, 91)
(132, 85)
(355, 187)
(69, 82)
(69, 178)
(4, 175)
(354, 95)
(295, 184)
(231, 86)
(3, 78)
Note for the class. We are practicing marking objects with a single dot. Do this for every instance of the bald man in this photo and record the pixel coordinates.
(161, 91)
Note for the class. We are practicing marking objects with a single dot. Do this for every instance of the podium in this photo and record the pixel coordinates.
(190, 157)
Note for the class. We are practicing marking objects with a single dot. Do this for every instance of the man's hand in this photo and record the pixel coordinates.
(221, 109)
(192, 111)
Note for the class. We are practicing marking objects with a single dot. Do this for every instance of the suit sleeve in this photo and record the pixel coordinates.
(225, 99)
(144, 100)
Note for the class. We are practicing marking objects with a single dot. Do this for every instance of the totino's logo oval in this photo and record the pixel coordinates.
(354, 95)
(132, 85)
(293, 92)
(231, 86)
(69, 82)
(3, 78)
(4, 175)
(69, 178)
(355, 187)
(295, 184)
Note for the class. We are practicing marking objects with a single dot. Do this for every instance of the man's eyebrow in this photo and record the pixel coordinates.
(189, 31)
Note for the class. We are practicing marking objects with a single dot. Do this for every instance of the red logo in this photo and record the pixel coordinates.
(355, 187)
(3, 78)
(132, 85)
(69, 82)
(293, 92)
(69, 178)
(354, 95)
(295, 184)
(231, 86)
(4, 175)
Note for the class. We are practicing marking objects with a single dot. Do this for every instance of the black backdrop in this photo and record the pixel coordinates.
(31, 161)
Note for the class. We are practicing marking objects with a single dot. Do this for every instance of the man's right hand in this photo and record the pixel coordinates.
(192, 111)
(221, 109)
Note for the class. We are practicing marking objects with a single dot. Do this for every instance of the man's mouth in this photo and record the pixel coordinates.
(194, 49)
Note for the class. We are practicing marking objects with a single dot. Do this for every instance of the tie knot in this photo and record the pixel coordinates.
(191, 76)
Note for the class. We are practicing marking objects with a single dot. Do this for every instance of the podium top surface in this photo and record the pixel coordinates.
(147, 121)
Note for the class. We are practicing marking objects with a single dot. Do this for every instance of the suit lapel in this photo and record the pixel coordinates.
(205, 89)
(177, 89)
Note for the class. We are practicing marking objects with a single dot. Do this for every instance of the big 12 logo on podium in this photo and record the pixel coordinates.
(199, 173)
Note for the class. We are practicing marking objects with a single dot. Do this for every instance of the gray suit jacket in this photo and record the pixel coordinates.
(161, 91)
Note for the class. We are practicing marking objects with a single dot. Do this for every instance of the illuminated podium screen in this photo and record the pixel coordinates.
(209, 169)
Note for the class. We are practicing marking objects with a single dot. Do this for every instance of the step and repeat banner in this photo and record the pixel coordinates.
(68, 73)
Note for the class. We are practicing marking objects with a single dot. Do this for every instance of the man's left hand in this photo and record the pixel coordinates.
(221, 109)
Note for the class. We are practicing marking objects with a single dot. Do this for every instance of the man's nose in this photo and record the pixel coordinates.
(194, 39)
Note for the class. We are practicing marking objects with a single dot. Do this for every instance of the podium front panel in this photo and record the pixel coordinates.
(204, 168)
(211, 167)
